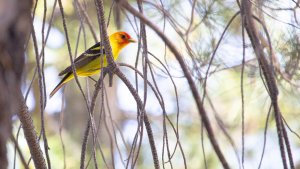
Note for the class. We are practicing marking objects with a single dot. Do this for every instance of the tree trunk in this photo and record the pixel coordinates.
(14, 30)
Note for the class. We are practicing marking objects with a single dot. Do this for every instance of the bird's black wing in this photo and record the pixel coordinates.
(89, 55)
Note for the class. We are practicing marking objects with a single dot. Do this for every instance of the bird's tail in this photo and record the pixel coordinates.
(61, 84)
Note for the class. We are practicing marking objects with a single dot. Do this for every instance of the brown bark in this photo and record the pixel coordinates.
(30, 134)
(201, 110)
(15, 27)
(267, 70)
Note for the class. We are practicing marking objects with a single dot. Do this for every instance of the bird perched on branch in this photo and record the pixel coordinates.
(91, 61)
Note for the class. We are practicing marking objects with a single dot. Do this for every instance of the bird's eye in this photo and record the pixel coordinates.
(123, 36)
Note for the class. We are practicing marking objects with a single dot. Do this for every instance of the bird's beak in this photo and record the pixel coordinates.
(131, 40)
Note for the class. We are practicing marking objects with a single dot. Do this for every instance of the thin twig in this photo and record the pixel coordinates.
(201, 110)
(19, 152)
(144, 117)
(265, 137)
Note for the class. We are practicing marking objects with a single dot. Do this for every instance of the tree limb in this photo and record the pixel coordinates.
(187, 74)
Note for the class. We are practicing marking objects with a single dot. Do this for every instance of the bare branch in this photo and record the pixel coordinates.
(30, 135)
(269, 77)
(201, 110)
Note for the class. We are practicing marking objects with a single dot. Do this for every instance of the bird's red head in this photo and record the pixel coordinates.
(122, 38)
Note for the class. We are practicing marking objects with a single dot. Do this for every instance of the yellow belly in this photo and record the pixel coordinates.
(92, 68)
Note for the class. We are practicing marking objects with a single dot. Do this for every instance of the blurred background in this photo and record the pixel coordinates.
(195, 27)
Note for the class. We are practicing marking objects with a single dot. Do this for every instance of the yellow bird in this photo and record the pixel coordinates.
(89, 63)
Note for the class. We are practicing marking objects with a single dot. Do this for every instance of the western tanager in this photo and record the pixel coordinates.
(89, 63)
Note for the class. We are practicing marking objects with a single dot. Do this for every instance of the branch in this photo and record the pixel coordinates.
(15, 28)
(179, 57)
(143, 114)
(30, 135)
(17, 147)
(103, 33)
(112, 68)
(251, 29)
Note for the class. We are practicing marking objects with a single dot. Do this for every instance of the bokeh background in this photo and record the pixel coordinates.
(194, 27)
